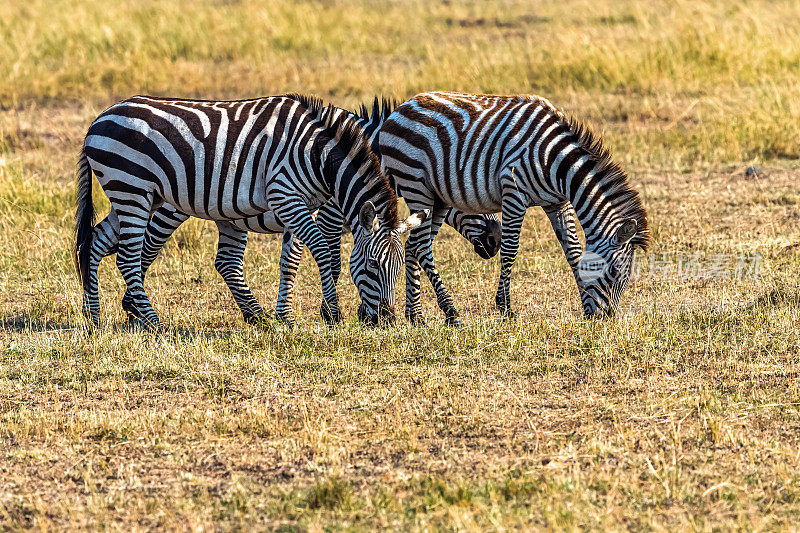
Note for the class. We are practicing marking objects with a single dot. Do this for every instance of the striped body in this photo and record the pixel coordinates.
(229, 160)
(483, 231)
(484, 153)
(212, 160)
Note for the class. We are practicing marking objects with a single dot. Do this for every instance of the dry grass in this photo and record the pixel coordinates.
(681, 413)
(674, 83)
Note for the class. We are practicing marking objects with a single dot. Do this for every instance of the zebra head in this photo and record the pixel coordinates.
(484, 234)
(378, 254)
(605, 269)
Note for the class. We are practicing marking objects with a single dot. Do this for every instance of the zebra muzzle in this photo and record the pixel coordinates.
(487, 245)
(367, 318)
(384, 317)
(598, 313)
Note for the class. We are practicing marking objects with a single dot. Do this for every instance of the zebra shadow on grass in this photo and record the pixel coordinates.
(19, 322)
(28, 322)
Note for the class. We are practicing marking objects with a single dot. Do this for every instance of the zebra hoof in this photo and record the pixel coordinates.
(285, 319)
(452, 319)
(331, 317)
(257, 319)
(509, 316)
(366, 318)
(91, 328)
(93, 319)
(136, 322)
(136, 319)
(416, 319)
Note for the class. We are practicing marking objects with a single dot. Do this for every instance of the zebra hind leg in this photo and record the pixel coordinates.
(133, 221)
(160, 228)
(421, 241)
(104, 242)
(230, 265)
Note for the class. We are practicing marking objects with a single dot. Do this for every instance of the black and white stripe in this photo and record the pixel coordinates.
(231, 160)
(482, 230)
(229, 260)
(482, 154)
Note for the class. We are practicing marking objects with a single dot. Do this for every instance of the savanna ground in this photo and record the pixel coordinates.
(682, 412)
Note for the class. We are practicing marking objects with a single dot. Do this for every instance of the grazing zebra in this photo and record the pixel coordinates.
(483, 231)
(229, 160)
(483, 153)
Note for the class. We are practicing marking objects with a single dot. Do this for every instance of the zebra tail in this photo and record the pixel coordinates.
(84, 217)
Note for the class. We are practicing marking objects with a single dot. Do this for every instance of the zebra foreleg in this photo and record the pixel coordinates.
(413, 303)
(562, 218)
(514, 209)
(421, 241)
(297, 218)
(330, 221)
(230, 265)
(291, 253)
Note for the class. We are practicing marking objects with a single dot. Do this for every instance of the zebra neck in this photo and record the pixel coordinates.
(593, 206)
(351, 188)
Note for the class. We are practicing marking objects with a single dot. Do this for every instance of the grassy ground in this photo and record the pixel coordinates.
(680, 413)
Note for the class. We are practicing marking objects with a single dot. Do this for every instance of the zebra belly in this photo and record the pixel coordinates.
(470, 194)
(223, 211)
(266, 222)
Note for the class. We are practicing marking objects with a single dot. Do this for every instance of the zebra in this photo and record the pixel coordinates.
(484, 153)
(483, 231)
(224, 160)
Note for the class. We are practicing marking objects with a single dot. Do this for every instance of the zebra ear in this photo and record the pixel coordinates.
(368, 218)
(626, 232)
(413, 221)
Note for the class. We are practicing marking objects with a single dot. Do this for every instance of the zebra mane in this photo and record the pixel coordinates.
(615, 180)
(313, 103)
(350, 135)
(381, 109)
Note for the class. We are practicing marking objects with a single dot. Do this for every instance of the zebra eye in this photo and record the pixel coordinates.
(372, 263)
